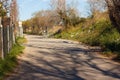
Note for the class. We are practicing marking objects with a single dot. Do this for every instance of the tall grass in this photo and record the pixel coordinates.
(9, 63)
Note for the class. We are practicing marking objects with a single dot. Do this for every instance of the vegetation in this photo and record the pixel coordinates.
(98, 32)
(100, 28)
(9, 63)
(60, 14)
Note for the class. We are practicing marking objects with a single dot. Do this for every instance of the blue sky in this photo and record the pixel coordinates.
(28, 7)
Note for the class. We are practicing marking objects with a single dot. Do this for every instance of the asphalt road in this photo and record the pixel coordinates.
(58, 59)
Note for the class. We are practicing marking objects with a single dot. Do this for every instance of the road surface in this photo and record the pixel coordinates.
(58, 59)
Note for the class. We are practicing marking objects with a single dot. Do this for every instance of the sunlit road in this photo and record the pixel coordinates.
(56, 59)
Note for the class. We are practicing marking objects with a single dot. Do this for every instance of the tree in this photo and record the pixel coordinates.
(114, 12)
(40, 21)
(96, 6)
(14, 18)
(64, 11)
(14, 12)
(59, 7)
(4, 7)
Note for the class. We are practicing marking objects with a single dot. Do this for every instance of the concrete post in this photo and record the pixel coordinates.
(20, 29)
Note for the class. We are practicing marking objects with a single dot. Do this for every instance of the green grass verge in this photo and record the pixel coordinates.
(21, 40)
(10, 62)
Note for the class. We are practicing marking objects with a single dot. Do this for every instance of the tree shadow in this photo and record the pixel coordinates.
(65, 63)
(29, 72)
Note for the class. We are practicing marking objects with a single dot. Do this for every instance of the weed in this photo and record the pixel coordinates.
(10, 61)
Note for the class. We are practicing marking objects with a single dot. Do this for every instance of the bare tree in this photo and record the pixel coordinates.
(14, 11)
(64, 11)
(96, 6)
(59, 6)
(114, 12)
(46, 19)
(14, 15)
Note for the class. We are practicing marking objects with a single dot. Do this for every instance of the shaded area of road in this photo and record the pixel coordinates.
(57, 59)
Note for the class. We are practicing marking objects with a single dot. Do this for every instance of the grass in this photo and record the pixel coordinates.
(101, 33)
(21, 40)
(10, 61)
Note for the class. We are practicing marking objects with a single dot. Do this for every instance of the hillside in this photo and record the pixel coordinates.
(96, 31)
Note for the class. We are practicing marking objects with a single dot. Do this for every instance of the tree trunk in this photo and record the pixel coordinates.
(114, 12)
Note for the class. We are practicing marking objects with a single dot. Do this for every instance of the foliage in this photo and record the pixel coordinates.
(4, 7)
(60, 14)
(2, 12)
(100, 33)
(41, 20)
(9, 63)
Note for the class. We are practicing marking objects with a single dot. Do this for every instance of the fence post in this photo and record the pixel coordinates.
(1, 40)
(20, 28)
(10, 37)
(13, 29)
(6, 23)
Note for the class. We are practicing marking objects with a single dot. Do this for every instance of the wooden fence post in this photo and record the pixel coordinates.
(10, 37)
(14, 34)
(6, 23)
(1, 40)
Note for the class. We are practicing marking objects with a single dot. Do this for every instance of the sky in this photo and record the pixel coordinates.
(28, 7)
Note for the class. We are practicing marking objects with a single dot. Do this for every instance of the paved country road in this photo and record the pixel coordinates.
(58, 59)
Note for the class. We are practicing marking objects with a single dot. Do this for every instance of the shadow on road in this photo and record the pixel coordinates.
(66, 63)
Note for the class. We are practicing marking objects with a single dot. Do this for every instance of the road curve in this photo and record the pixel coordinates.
(58, 59)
